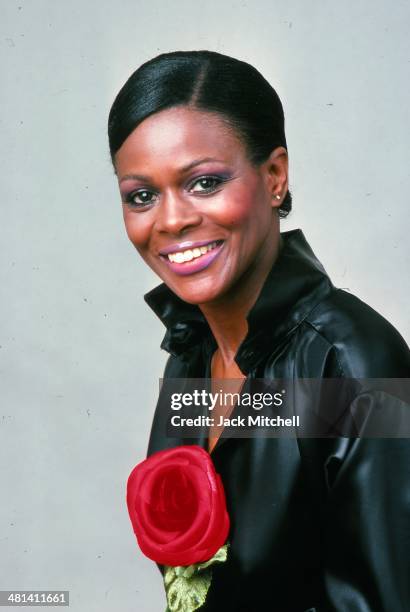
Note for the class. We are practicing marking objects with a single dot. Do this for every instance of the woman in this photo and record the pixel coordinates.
(198, 145)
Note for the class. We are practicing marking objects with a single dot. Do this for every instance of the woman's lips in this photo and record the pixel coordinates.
(190, 260)
(186, 244)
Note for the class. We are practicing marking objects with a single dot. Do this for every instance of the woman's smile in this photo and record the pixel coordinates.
(192, 257)
(198, 212)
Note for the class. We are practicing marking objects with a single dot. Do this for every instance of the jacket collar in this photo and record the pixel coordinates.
(295, 284)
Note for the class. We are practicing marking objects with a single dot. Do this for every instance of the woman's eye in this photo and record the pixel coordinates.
(142, 197)
(205, 184)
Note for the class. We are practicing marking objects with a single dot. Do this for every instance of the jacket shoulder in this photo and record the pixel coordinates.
(367, 345)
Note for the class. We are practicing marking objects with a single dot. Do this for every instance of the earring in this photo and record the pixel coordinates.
(277, 196)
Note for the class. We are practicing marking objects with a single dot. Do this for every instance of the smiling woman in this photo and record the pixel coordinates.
(198, 146)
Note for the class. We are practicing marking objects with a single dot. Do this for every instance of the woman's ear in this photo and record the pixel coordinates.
(276, 174)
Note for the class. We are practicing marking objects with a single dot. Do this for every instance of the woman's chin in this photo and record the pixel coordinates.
(197, 294)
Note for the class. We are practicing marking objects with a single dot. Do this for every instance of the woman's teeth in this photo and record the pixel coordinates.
(182, 256)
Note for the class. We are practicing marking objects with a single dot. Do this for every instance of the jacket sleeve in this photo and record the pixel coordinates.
(367, 526)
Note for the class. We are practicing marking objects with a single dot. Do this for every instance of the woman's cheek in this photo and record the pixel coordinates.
(243, 201)
(137, 228)
(231, 211)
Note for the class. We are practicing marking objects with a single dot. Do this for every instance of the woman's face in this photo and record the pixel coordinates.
(198, 212)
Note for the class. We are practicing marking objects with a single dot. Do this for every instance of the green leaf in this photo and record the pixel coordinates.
(186, 587)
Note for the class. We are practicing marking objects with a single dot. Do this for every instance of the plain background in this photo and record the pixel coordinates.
(80, 357)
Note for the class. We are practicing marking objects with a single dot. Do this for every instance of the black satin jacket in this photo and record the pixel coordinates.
(316, 524)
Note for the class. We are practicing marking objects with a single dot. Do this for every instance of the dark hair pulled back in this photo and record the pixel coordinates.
(209, 81)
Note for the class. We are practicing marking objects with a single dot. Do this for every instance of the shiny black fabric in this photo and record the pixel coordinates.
(316, 524)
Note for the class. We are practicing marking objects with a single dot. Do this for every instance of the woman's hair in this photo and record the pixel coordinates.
(208, 81)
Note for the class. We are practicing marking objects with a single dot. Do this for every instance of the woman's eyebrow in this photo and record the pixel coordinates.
(196, 162)
(137, 177)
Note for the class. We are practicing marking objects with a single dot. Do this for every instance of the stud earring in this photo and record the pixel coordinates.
(277, 197)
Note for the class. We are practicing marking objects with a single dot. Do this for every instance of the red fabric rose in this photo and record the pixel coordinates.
(176, 503)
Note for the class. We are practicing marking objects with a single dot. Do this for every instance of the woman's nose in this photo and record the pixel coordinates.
(176, 214)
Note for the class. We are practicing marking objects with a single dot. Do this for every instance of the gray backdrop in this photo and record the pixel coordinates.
(80, 357)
